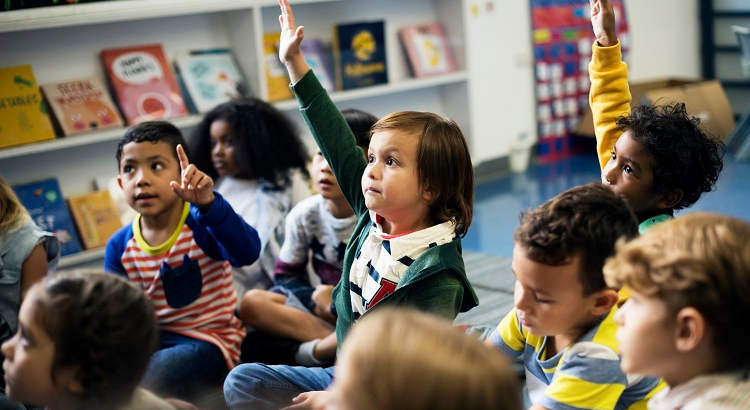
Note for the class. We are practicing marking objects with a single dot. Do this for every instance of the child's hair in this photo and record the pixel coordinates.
(266, 144)
(443, 164)
(586, 220)
(12, 212)
(685, 157)
(103, 327)
(406, 359)
(152, 131)
(361, 123)
(700, 260)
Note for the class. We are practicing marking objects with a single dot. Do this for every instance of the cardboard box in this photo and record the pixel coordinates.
(703, 99)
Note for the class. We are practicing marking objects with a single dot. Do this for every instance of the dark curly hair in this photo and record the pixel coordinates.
(586, 220)
(685, 157)
(266, 143)
(361, 123)
(152, 131)
(102, 326)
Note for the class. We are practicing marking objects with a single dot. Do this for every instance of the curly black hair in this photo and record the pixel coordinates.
(685, 157)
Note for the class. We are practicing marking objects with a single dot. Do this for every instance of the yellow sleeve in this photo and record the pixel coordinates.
(609, 96)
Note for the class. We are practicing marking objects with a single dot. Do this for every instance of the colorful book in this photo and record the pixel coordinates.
(45, 203)
(277, 79)
(143, 82)
(359, 54)
(23, 113)
(320, 59)
(427, 49)
(95, 216)
(209, 77)
(82, 105)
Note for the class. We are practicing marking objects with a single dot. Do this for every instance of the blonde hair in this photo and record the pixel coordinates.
(12, 212)
(405, 359)
(700, 260)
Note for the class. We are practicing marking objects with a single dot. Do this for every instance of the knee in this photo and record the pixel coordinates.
(252, 306)
(241, 384)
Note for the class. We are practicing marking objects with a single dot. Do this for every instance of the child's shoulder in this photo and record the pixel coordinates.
(308, 207)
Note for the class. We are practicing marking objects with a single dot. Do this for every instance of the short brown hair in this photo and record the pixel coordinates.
(586, 220)
(443, 161)
(406, 359)
(700, 260)
(103, 327)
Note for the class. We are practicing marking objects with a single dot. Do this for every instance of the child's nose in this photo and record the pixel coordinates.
(7, 348)
(520, 298)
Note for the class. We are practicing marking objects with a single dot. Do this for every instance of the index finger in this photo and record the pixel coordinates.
(182, 157)
(287, 13)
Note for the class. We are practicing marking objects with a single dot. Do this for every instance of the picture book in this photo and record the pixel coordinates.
(277, 79)
(428, 50)
(143, 83)
(82, 105)
(23, 113)
(45, 203)
(209, 78)
(318, 56)
(95, 216)
(359, 54)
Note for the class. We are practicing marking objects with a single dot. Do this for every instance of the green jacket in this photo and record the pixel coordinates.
(436, 282)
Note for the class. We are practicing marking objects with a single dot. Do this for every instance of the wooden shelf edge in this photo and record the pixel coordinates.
(79, 258)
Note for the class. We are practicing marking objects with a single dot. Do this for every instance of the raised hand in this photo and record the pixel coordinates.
(196, 187)
(291, 37)
(603, 22)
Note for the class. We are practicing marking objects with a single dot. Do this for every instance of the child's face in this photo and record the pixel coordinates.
(390, 183)
(222, 149)
(146, 169)
(325, 181)
(629, 172)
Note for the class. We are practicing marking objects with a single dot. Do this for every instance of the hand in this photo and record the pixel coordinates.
(181, 405)
(313, 400)
(603, 22)
(322, 297)
(196, 187)
(291, 37)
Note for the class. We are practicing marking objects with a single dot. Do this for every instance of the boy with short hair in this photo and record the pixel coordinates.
(562, 323)
(686, 320)
(178, 250)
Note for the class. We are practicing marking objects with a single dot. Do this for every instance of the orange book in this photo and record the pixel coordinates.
(95, 216)
(82, 105)
(277, 79)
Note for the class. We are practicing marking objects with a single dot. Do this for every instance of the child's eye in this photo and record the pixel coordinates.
(127, 169)
(157, 166)
(628, 169)
(540, 300)
(614, 154)
(390, 162)
(370, 159)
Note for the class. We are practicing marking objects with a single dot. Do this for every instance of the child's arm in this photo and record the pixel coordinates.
(34, 268)
(609, 96)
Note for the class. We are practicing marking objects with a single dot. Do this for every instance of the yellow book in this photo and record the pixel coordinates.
(95, 216)
(276, 76)
(23, 113)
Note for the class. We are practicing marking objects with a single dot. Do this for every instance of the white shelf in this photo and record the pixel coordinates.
(80, 258)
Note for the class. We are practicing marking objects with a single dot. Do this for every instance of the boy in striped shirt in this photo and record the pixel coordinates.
(179, 249)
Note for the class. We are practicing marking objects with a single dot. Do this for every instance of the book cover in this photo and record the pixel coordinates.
(210, 77)
(95, 216)
(23, 113)
(45, 203)
(320, 59)
(359, 54)
(82, 105)
(427, 49)
(143, 83)
(277, 79)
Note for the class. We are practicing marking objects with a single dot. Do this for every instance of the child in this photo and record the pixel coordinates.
(260, 163)
(405, 359)
(318, 228)
(561, 325)
(83, 342)
(657, 157)
(413, 200)
(686, 320)
(178, 250)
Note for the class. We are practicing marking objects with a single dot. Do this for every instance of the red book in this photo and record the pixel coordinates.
(143, 82)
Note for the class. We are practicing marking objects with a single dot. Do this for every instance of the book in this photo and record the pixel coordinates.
(25, 4)
(143, 83)
(320, 59)
(23, 113)
(359, 54)
(277, 79)
(95, 216)
(45, 203)
(82, 105)
(209, 77)
(427, 49)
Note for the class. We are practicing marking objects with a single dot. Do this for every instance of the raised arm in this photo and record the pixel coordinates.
(291, 37)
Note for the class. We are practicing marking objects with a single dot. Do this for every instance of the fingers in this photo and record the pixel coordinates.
(192, 178)
(182, 157)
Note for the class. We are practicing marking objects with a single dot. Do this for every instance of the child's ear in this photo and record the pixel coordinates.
(690, 329)
(669, 200)
(67, 379)
(119, 181)
(604, 300)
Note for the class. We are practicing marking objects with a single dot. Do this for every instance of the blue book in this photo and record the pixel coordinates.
(46, 205)
(359, 54)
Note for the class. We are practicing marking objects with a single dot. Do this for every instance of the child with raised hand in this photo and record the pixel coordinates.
(317, 231)
(659, 158)
(83, 342)
(686, 320)
(179, 250)
(562, 324)
(259, 163)
(413, 200)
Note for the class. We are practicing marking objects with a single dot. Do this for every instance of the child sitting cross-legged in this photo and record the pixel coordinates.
(686, 319)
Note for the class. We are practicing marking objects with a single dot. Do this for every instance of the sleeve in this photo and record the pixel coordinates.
(334, 137)
(114, 250)
(295, 248)
(223, 234)
(440, 294)
(509, 337)
(609, 97)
